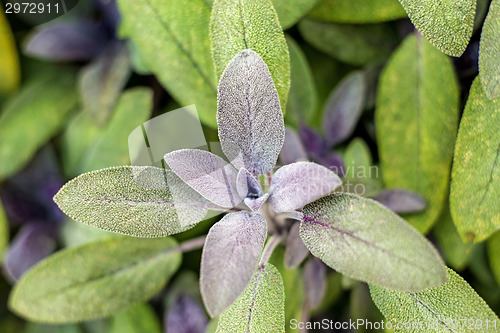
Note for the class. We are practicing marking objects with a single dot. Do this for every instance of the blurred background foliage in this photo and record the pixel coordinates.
(72, 89)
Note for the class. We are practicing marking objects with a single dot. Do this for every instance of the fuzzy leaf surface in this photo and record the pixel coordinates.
(295, 185)
(357, 11)
(95, 280)
(207, 173)
(475, 186)
(251, 128)
(135, 201)
(489, 52)
(230, 256)
(364, 240)
(416, 127)
(261, 307)
(239, 25)
(451, 307)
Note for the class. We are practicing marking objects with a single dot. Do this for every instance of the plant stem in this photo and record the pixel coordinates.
(192, 244)
(271, 244)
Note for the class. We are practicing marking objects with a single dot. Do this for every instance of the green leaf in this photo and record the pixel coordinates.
(357, 11)
(32, 117)
(10, 75)
(447, 24)
(111, 148)
(138, 318)
(101, 82)
(302, 100)
(291, 11)
(239, 25)
(358, 159)
(135, 201)
(46, 328)
(353, 44)
(362, 239)
(4, 232)
(95, 280)
(173, 41)
(493, 251)
(260, 309)
(489, 52)
(416, 122)
(475, 186)
(451, 307)
(456, 252)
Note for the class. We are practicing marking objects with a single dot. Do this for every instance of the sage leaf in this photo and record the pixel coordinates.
(493, 250)
(95, 280)
(401, 201)
(416, 128)
(135, 201)
(229, 259)
(451, 307)
(362, 239)
(185, 316)
(43, 106)
(314, 144)
(48, 328)
(489, 52)
(353, 44)
(314, 281)
(291, 11)
(137, 318)
(358, 160)
(10, 75)
(4, 232)
(293, 150)
(260, 308)
(295, 251)
(446, 24)
(247, 185)
(111, 147)
(207, 173)
(344, 107)
(174, 44)
(102, 81)
(357, 11)
(251, 128)
(255, 203)
(475, 186)
(295, 185)
(302, 105)
(239, 25)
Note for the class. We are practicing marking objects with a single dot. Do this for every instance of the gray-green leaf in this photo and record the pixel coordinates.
(366, 241)
(251, 128)
(447, 24)
(416, 126)
(173, 41)
(238, 25)
(489, 52)
(32, 116)
(357, 11)
(475, 186)
(260, 309)
(135, 201)
(95, 280)
(451, 307)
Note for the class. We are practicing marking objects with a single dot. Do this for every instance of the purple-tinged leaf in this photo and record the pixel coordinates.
(293, 150)
(102, 81)
(312, 141)
(295, 185)
(295, 251)
(401, 201)
(314, 281)
(333, 162)
(230, 256)
(207, 173)
(247, 185)
(344, 107)
(255, 204)
(362, 239)
(33, 243)
(67, 41)
(110, 13)
(185, 316)
(251, 128)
